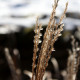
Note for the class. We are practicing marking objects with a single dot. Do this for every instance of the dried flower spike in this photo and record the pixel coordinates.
(53, 31)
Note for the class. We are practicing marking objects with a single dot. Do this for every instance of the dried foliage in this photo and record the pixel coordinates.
(53, 31)
(73, 60)
(15, 70)
(39, 65)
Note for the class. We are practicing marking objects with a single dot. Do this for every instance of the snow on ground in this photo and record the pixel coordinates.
(35, 7)
(26, 11)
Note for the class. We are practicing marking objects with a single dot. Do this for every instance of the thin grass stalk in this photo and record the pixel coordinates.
(11, 64)
(36, 43)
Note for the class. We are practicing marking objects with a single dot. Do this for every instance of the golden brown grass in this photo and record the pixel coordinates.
(73, 60)
(53, 31)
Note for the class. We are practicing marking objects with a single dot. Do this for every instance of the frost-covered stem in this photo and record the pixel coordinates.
(36, 43)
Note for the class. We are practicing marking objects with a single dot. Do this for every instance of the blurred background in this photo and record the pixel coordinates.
(17, 21)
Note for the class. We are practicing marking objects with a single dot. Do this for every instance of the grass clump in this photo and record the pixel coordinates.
(53, 31)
